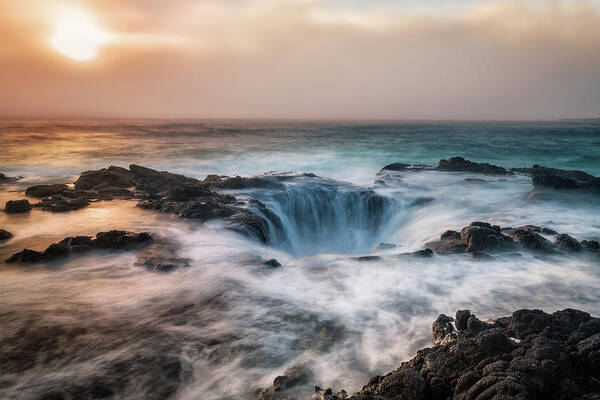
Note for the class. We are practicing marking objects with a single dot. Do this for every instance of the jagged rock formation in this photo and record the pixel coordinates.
(528, 355)
(481, 237)
(459, 164)
(5, 235)
(17, 206)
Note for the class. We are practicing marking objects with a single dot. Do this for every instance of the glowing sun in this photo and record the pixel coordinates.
(77, 36)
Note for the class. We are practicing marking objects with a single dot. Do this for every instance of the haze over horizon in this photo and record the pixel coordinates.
(301, 59)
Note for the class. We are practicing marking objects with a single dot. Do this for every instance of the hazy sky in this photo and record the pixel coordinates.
(425, 59)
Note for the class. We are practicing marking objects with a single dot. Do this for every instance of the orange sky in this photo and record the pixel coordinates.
(303, 59)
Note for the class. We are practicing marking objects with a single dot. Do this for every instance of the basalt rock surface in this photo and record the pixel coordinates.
(17, 206)
(114, 240)
(163, 191)
(5, 235)
(536, 169)
(459, 164)
(480, 238)
(528, 355)
(7, 179)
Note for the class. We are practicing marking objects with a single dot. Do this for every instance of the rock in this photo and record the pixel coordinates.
(566, 174)
(368, 258)
(554, 182)
(284, 385)
(41, 191)
(593, 186)
(5, 235)
(459, 164)
(61, 204)
(566, 242)
(419, 253)
(25, 256)
(161, 256)
(385, 246)
(106, 177)
(443, 330)
(6, 179)
(17, 206)
(552, 360)
(588, 244)
(480, 237)
(531, 240)
(396, 167)
(272, 263)
(262, 182)
(450, 235)
(121, 240)
(452, 247)
(480, 255)
(538, 229)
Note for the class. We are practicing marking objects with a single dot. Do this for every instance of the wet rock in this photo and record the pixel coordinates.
(385, 246)
(5, 235)
(61, 204)
(452, 247)
(367, 258)
(552, 360)
(538, 229)
(566, 242)
(272, 263)
(161, 256)
(7, 179)
(40, 191)
(284, 386)
(106, 177)
(121, 239)
(450, 235)
(25, 256)
(588, 244)
(565, 174)
(480, 255)
(258, 182)
(481, 236)
(425, 253)
(395, 167)
(554, 182)
(593, 186)
(17, 206)
(531, 240)
(443, 330)
(459, 164)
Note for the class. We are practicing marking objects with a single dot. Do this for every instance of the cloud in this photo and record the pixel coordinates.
(305, 59)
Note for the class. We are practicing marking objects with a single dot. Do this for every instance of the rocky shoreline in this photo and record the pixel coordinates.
(528, 355)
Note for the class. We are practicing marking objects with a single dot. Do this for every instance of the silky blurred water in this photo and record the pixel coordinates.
(99, 326)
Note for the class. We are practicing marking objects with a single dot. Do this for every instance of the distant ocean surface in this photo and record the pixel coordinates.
(98, 324)
(342, 150)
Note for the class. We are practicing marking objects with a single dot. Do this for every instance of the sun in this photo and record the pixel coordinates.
(78, 36)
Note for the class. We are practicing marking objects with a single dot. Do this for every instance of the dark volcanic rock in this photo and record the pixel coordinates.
(121, 239)
(539, 229)
(385, 246)
(106, 177)
(531, 240)
(264, 182)
(4, 235)
(60, 203)
(591, 244)
(367, 258)
(459, 164)
(481, 236)
(396, 167)
(25, 256)
(6, 179)
(554, 182)
(566, 174)
(556, 358)
(41, 191)
(450, 235)
(452, 247)
(118, 240)
(272, 263)
(17, 206)
(419, 253)
(161, 256)
(284, 386)
(566, 242)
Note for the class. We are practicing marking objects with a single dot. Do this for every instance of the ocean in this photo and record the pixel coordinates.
(97, 324)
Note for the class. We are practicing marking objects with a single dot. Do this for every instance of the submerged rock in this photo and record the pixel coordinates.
(566, 242)
(591, 244)
(459, 164)
(554, 182)
(41, 191)
(385, 246)
(25, 256)
(419, 253)
(531, 240)
(17, 206)
(6, 179)
(161, 256)
(566, 174)
(272, 263)
(284, 387)
(5, 235)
